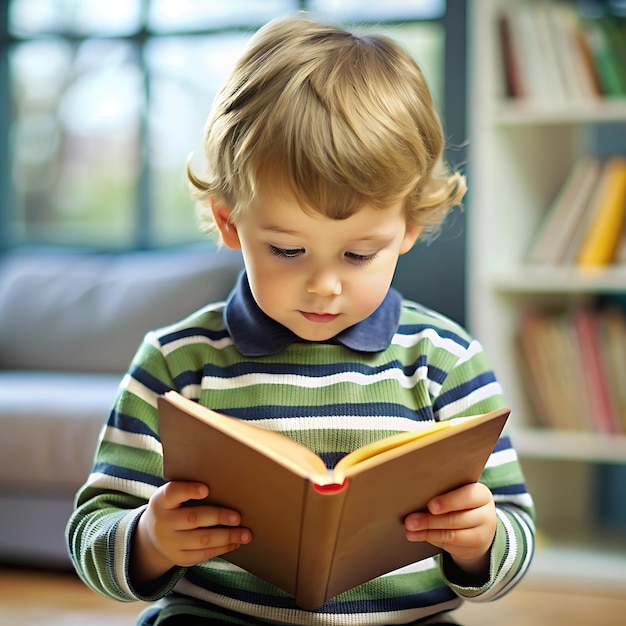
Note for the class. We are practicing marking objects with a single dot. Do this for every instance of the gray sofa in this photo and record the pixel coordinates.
(69, 326)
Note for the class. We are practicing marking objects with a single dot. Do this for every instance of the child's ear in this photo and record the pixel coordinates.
(410, 237)
(228, 231)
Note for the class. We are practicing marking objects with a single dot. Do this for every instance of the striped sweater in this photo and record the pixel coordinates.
(403, 365)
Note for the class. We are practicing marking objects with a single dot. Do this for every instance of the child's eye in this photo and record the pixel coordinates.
(360, 259)
(286, 253)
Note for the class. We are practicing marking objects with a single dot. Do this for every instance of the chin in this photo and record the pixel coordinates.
(317, 336)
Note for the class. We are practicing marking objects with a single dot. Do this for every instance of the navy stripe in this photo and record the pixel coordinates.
(125, 473)
(188, 377)
(130, 424)
(518, 489)
(149, 381)
(390, 604)
(210, 583)
(371, 409)
(194, 331)
(333, 606)
(313, 370)
(462, 391)
(504, 443)
(416, 329)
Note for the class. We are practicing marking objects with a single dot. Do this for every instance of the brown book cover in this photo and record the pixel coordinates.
(317, 533)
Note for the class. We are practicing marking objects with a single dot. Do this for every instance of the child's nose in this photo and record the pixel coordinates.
(324, 283)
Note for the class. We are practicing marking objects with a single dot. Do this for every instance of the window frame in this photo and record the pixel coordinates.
(453, 22)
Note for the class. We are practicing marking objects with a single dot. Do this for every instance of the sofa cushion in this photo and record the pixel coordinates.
(89, 312)
(50, 426)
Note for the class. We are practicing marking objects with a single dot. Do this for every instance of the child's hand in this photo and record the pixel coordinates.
(461, 522)
(169, 534)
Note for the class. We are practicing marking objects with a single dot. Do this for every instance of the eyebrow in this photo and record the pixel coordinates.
(280, 230)
(376, 237)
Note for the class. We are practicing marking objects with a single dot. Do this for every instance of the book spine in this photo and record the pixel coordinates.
(320, 523)
(600, 242)
(603, 57)
(604, 411)
(510, 61)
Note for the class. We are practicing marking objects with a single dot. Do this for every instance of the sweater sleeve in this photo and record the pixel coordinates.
(128, 468)
(470, 387)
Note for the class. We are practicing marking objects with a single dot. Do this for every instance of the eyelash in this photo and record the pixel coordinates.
(285, 253)
(361, 259)
(292, 253)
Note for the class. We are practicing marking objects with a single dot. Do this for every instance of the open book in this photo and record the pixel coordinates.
(317, 533)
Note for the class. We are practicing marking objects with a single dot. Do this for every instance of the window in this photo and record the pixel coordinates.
(104, 100)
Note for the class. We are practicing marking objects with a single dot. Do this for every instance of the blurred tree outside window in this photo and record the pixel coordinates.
(106, 100)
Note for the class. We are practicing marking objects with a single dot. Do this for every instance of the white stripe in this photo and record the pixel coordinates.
(462, 404)
(502, 458)
(114, 483)
(311, 382)
(344, 422)
(133, 440)
(408, 341)
(307, 618)
(523, 500)
(121, 555)
(499, 586)
(138, 389)
(472, 350)
(218, 344)
(526, 525)
(192, 391)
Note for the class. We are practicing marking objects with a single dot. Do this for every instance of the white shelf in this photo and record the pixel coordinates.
(555, 279)
(520, 153)
(570, 445)
(510, 113)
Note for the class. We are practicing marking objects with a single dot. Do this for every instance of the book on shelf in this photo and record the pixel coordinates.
(514, 87)
(604, 410)
(605, 40)
(612, 332)
(559, 228)
(549, 360)
(319, 532)
(607, 215)
(573, 364)
(573, 58)
(533, 366)
(551, 53)
(585, 223)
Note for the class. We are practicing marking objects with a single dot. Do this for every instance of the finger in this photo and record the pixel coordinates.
(449, 539)
(189, 558)
(471, 496)
(171, 495)
(212, 538)
(455, 520)
(206, 516)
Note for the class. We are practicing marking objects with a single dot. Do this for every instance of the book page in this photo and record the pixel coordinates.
(375, 448)
(272, 444)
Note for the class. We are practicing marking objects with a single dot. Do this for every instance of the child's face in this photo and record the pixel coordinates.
(315, 275)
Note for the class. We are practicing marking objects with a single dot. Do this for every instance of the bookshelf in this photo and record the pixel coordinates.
(520, 153)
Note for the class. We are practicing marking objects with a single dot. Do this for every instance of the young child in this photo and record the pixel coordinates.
(324, 165)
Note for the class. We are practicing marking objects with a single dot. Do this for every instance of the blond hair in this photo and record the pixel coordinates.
(342, 119)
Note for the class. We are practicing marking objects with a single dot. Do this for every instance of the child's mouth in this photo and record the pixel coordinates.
(319, 318)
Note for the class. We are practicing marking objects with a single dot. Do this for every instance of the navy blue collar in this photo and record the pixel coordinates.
(256, 334)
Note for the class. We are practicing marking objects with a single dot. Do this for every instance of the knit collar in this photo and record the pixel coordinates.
(255, 334)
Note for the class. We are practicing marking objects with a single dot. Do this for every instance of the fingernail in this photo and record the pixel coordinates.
(416, 522)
